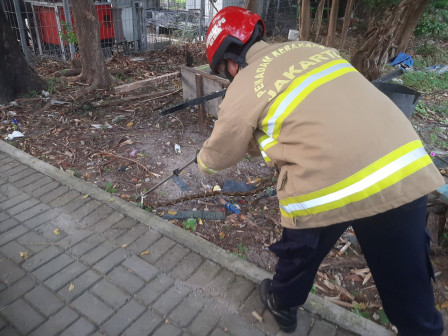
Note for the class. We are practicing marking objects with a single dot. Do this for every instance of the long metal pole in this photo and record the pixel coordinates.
(21, 31)
(68, 22)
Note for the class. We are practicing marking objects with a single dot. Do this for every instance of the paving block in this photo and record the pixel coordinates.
(145, 325)
(87, 244)
(219, 332)
(53, 267)
(235, 325)
(21, 175)
(12, 234)
(57, 323)
(44, 301)
(33, 241)
(158, 249)
(321, 328)
(204, 322)
(15, 313)
(46, 189)
(141, 268)
(12, 250)
(251, 304)
(131, 235)
(167, 330)
(75, 236)
(11, 169)
(28, 180)
(64, 199)
(110, 294)
(154, 289)
(106, 223)
(40, 219)
(80, 285)
(128, 281)
(97, 215)
(85, 210)
(23, 206)
(113, 259)
(32, 212)
(55, 193)
(123, 318)
(187, 267)
(74, 205)
(41, 258)
(8, 331)
(142, 244)
(171, 298)
(37, 184)
(98, 253)
(65, 276)
(15, 291)
(240, 289)
(93, 308)
(81, 327)
(221, 283)
(184, 313)
(14, 201)
(171, 258)
(204, 274)
(126, 223)
(50, 232)
(10, 272)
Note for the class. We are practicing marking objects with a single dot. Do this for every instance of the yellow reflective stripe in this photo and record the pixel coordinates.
(203, 166)
(266, 142)
(380, 175)
(299, 89)
(265, 157)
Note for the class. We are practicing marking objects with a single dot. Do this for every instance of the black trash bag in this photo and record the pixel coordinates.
(405, 98)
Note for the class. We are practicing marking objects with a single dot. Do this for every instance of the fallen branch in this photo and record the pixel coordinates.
(77, 71)
(150, 96)
(146, 82)
(128, 159)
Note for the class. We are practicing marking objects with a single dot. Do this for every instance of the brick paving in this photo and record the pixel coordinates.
(73, 263)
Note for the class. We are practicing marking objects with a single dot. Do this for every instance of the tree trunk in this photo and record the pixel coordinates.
(252, 5)
(304, 19)
(332, 23)
(94, 69)
(346, 24)
(318, 20)
(16, 76)
(383, 41)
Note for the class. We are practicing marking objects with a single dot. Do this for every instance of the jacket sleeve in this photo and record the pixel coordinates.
(228, 143)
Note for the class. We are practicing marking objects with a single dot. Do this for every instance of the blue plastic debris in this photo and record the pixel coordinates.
(443, 191)
(403, 60)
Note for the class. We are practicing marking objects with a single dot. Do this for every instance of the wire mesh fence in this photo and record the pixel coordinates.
(45, 28)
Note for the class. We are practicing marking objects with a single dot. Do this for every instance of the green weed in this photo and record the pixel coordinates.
(241, 251)
(111, 188)
(190, 224)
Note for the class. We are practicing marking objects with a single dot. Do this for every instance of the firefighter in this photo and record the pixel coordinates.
(346, 156)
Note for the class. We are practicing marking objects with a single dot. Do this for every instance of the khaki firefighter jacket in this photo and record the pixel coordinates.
(344, 150)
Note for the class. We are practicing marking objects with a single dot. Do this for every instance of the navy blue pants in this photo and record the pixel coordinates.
(395, 245)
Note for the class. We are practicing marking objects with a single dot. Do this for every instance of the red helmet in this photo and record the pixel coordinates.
(230, 34)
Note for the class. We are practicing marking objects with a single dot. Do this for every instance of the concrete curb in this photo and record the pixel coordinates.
(315, 304)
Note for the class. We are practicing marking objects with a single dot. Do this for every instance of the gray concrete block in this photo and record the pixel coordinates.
(113, 259)
(122, 278)
(252, 303)
(323, 328)
(106, 223)
(81, 327)
(15, 291)
(87, 244)
(154, 289)
(33, 241)
(80, 285)
(54, 266)
(41, 258)
(23, 206)
(74, 205)
(21, 175)
(50, 232)
(187, 310)
(235, 325)
(15, 313)
(10, 272)
(85, 210)
(142, 244)
(57, 323)
(126, 223)
(8, 223)
(170, 299)
(44, 301)
(220, 285)
(32, 212)
(240, 289)
(65, 276)
(28, 180)
(55, 193)
(15, 201)
(37, 184)
(12, 250)
(93, 308)
(204, 274)
(204, 322)
(96, 215)
(171, 258)
(46, 189)
(145, 325)
(167, 330)
(141, 268)
(12, 168)
(123, 318)
(131, 235)
(219, 332)
(40, 219)
(74, 238)
(8, 331)
(110, 294)
(98, 253)
(187, 267)
(158, 249)
(64, 199)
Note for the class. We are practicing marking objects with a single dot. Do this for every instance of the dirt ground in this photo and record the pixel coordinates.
(120, 143)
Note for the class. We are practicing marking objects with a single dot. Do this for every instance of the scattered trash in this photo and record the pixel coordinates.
(99, 126)
(45, 93)
(180, 183)
(11, 113)
(439, 69)
(118, 119)
(402, 60)
(205, 215)
(234, 186)
(13, 135)
(133, 152)
(137, 59)
(216, 188)
(443, 193)
(177, 149)
(58, 102)
(229, 206)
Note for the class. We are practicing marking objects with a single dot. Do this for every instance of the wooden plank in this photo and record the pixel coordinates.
(146, 82)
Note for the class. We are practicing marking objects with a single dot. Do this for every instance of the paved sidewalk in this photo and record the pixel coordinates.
(76, 261)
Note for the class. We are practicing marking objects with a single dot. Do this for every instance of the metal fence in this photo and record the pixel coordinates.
(45, 28)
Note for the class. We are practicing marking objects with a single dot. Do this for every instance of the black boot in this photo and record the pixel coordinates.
(285, 317)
